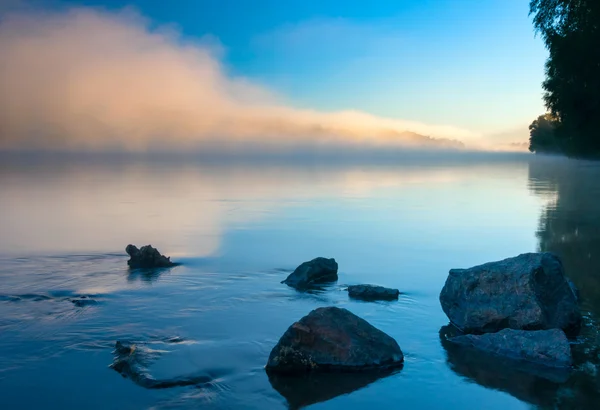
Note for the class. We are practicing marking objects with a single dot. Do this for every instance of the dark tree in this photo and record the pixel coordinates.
(542, 135)
(571, 32)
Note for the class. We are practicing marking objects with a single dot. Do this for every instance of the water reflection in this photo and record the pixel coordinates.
(100, 205)
(146, 274)
(238, 231)
(535, 385)
(570, 222)
(569, 226)
(308, 389)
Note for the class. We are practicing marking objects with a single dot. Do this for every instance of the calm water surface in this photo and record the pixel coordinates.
(239, 230)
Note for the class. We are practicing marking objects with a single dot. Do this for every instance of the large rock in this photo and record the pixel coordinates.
(544, 347)
(527, 292)
(372, 292)
(147, 257)
(333, 339)
(319, 270)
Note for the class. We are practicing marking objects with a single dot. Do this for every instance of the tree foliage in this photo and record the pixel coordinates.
(543, 138)
(571, 32)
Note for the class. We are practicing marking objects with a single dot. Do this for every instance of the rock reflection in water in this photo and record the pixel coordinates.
(311, 388)
(147, 275)
(537, 385)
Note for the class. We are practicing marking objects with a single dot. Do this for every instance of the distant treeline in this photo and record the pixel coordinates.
(571, 32)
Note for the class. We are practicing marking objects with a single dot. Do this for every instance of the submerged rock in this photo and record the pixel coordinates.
(544, 347)
(372, 292)
(147, 257)
(528, 292)
(132, 360)
(316, 271)
(333, 339)
(84, 301)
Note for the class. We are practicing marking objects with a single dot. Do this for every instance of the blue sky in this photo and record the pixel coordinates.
(466, 63)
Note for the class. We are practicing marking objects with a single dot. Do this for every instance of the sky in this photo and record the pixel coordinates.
(460, 69)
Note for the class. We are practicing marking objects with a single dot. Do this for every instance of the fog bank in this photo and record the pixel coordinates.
(90, 80)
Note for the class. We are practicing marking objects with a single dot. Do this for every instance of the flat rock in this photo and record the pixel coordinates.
(527, 292)
(545, 347)
(147, 257)
(372, 292)
(333, 339)
(528, 382)
(316, 271)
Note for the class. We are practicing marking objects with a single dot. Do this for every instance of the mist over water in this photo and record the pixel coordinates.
(239, 229)
(84, 79)
(184, 191)
(114, 130)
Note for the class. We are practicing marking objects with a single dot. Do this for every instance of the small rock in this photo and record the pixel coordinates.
(83, 302)
(316, 271)
(527, 292)
(544, 347)
(333, 339)
(372, 292)
(147, 257)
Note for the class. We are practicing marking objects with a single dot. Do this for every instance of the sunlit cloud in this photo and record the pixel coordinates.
(86, 79)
